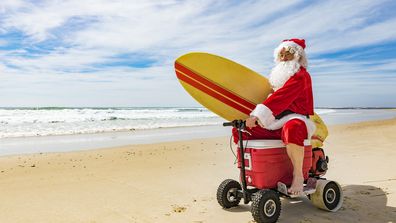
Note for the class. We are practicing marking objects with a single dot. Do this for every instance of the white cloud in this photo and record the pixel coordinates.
(3, 42)
(84, 34)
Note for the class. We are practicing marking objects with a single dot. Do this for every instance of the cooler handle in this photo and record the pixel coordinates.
(248, 157)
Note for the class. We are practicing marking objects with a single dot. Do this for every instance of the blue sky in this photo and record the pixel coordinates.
(121, 53)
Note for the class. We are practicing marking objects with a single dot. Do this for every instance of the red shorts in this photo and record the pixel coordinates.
(294, 131)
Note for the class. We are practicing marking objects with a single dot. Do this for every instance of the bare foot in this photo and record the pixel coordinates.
(297, 186)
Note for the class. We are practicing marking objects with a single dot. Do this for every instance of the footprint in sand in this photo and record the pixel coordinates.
(306, 220)
(178, 209)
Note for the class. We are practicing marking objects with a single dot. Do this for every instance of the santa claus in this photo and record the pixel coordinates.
(285, 113)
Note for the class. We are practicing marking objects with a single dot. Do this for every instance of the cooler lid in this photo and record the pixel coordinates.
(268, 143)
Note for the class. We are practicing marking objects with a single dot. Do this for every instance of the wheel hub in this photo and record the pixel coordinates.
(232, 195)
(270, 208)
(330, 195)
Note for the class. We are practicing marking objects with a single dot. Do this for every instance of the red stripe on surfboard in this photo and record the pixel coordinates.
(210, 92)
(315, 137)
(214, 86)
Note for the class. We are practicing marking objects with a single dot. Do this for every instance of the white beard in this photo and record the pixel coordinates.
(282, 72)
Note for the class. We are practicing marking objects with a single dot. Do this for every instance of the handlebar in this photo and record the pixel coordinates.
(236, 123)
(228, 124)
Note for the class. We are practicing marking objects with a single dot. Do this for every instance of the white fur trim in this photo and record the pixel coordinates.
(278, 123)
(264, 114)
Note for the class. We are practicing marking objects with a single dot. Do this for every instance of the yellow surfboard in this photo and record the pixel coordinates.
(228, 89)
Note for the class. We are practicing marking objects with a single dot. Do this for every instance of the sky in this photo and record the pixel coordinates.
(121, 52)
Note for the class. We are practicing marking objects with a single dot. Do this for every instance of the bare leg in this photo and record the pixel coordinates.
(296, 155)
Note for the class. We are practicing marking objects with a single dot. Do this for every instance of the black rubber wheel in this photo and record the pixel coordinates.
(266, 206)
(227, 193)
(331, 195)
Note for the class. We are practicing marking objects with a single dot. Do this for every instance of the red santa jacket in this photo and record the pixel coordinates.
(295, 95)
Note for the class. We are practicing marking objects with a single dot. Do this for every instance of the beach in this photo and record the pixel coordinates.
(177, 181)
(122, 111)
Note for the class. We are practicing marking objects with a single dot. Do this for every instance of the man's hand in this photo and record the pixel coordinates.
(251, 122)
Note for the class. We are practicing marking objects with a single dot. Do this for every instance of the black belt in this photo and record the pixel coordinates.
(286, 112)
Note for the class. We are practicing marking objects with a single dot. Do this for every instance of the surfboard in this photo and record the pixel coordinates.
(226, 88)
(229, 89)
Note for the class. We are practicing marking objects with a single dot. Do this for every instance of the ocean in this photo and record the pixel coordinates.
(38, 130)
(22, 122)
(25, 122)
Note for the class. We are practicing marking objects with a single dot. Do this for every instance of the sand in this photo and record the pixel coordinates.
(177, 182)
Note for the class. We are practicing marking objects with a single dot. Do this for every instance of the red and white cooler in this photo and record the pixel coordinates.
(267, 163)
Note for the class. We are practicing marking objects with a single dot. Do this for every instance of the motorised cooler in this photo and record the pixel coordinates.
(267, 163)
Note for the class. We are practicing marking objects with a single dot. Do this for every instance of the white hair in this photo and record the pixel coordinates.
(292, 47)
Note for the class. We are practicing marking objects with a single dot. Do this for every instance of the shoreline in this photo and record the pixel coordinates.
(81, 142)
(177, 182)
(330, 116)
(92, 141)
(125, 131)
